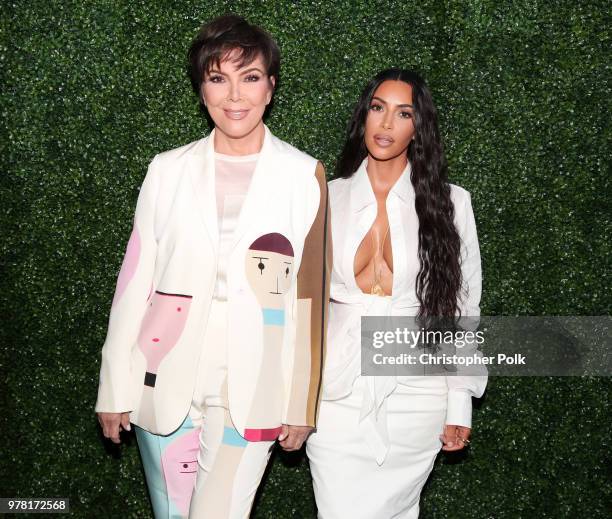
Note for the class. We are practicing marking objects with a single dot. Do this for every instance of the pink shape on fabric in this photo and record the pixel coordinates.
(262, 435)
(180, 465)
(130, 262)
(164, 324)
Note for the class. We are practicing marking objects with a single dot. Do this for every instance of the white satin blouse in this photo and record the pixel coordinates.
(232, 179)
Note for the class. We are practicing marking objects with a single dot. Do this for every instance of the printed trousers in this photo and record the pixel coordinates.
(205, 469)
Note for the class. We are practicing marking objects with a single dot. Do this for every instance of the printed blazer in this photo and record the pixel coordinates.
(278, 286)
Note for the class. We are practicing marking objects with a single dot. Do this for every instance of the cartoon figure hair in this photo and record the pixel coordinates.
(273, 242)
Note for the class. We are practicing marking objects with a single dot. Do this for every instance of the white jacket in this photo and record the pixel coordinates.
(353, 209)
(165, 287)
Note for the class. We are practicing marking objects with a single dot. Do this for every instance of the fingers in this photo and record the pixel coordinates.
(284, 433)
(463, 436)
(448, 438)
(111, 429)
(111, 425)
(455, 437)
(125, 421)
(295, 438)
(291, 441)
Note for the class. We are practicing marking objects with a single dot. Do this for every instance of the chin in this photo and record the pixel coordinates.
(238, 129)
(382, 155)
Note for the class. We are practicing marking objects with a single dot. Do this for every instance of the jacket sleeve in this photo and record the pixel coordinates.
(311, 315)
(133, 288)
(461, 388)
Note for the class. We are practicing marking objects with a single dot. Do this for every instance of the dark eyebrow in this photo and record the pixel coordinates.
(406, 105)
(253, 69)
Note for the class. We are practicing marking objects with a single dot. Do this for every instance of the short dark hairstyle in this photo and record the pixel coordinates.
(222, 35)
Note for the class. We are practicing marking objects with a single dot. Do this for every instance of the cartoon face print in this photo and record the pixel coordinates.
(269, 268)
(180, 466)
(161, 329)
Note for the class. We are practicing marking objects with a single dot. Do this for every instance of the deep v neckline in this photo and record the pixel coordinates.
(381, 272)
(361, 214)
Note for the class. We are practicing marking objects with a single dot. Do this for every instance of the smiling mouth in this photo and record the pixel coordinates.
(236, 114)
(383, 140)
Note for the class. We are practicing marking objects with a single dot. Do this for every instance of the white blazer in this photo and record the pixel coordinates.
(353, 209)
(166, 284)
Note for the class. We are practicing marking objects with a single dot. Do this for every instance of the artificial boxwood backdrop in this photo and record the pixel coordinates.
(93, 89)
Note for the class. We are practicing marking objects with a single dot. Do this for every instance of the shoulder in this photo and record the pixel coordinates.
(165, 167)
(462, 201)
(299, 163)
(460, 196)
(181, 152)
(339, 187)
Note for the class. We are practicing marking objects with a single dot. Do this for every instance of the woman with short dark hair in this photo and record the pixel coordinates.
(217, 328)
(405, 244)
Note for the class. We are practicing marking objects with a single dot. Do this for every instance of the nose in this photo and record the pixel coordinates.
(387, 120)
(234, 91)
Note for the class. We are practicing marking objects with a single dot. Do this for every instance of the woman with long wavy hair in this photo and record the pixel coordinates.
(404, 244)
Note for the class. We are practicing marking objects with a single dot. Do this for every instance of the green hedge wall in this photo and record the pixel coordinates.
(92, 89)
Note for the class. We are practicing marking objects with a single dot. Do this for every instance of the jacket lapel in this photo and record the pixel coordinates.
(361, 215)
(259, 191)
(202, 172)
(403, 223)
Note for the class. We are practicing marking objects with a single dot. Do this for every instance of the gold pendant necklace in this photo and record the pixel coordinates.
(377, 290)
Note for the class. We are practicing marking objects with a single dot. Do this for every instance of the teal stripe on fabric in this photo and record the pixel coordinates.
(151, 452)
(152, 447)
(232, 437)
(273, 316)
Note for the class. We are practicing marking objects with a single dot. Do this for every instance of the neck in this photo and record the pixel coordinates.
(383, 174)
(246, 145)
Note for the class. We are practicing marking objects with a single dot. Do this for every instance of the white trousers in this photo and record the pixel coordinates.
(347, 480)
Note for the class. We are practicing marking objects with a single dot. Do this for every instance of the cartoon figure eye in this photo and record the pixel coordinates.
(260, 265)
(287, 272)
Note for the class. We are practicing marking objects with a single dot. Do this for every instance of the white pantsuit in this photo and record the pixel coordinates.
(377, 437)
(209, 372)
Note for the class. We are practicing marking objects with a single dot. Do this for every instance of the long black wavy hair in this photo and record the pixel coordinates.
(438, 282)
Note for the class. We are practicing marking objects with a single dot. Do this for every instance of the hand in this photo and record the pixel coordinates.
(292, 437)
(454, 436)
(113, 423)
